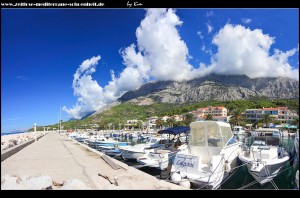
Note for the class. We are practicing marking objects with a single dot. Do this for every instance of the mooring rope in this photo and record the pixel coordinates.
(246, 186)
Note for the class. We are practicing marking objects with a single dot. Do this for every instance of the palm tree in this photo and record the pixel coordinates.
(140, 124)
(232, 121)
(159, 122)
(209, 117)
(267, 119)
(296, 121)
(237, 115)
(188, 116)
(170, 122)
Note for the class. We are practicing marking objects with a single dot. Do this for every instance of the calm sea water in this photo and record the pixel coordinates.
(10, 133)
(241, 177)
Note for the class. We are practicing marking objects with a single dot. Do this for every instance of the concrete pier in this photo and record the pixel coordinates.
(63, 159)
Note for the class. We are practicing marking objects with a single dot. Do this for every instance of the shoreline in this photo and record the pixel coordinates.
(12, 133)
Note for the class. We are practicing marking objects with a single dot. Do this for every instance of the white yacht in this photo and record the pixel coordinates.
(139, 150)
(91, 141)
(162, 157)
(267, 132)
(238, 130)
(264, 158)
(210, 158)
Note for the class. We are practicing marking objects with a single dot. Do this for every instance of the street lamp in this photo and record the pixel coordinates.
(34, 126)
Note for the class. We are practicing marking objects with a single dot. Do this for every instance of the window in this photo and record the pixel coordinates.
(197, 136)
(214, 138)
(232, 141)
(227, 134)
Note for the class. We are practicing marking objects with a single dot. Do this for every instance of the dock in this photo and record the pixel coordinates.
(63, 159)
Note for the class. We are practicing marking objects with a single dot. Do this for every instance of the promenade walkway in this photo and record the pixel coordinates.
(63, 159)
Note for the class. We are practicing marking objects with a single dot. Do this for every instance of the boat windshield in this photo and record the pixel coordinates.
(210, 134)
(153, 140)
(267, 140)
(259, 143)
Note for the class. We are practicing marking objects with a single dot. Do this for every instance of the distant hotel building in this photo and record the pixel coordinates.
(215, 111)
(219, 113)
(132, 123)
(281, 114)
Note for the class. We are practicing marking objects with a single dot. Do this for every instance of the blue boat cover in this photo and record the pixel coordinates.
(175, 130)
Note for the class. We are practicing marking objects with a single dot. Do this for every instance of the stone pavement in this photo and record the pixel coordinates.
(63, 159)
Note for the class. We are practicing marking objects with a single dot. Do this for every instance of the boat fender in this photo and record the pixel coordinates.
(175, 177)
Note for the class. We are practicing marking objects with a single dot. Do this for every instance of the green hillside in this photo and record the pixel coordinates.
(118, 115)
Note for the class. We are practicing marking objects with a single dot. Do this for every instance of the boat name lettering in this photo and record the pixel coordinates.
(184, 164)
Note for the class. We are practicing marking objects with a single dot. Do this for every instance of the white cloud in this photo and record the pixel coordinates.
(162, 48)
(203, 48)
(246, 20)
(199, 33)
(245, 51)
(161, 54)
(88, 91)
(209, 28)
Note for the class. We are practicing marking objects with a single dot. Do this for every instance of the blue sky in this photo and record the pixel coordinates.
(42, 49)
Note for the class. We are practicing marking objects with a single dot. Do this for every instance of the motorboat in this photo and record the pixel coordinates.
(267, 132)
(81, 137)
(211, 156)
(161, 158)
(264, 158)
(139, 150)
(108, 143)
(91, 141)
(114, 151)
(238, 130)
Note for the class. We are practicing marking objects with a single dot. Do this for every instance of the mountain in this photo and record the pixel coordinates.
(105, 108)
(213, 87)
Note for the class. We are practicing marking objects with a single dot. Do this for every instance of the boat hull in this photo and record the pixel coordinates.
(156, 160)
(126, 154)
(267, 173)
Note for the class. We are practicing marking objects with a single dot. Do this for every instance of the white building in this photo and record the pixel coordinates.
(215, 111)
(281, 114)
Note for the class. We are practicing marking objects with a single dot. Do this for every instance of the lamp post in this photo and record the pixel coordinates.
(34, 127)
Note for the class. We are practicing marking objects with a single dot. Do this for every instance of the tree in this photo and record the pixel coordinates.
(277, 122)
(188, 118)
(140, 124)
(170, 122)
(267, 118)
(159, 122)
(237, 115)
(296, 121)
(180, 123)
(209, 117)
(232, 121)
